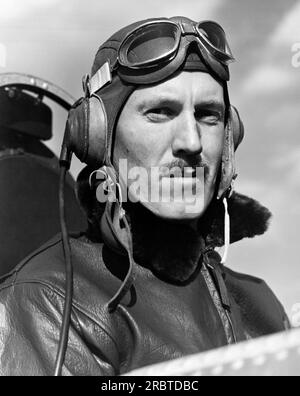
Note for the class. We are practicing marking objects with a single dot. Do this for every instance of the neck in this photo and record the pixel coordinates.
(171, 250)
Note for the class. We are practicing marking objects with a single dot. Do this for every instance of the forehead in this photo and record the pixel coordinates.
(186, 86)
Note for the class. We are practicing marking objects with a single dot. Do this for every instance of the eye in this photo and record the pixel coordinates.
(160, 113)
(209, 117)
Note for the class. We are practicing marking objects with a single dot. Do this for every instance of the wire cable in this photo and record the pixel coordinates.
(130, 277)
(64, 331)
(226, 232)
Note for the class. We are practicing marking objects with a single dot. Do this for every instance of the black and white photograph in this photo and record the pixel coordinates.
(149, 190)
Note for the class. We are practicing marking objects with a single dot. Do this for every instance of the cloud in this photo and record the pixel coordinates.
(289, 164)
(15, 9)
(194, 9)
(100, 15)
(285, 116)
(273, 71)
(3, 55)
(251, 187)
(267, 79)
(288, 31)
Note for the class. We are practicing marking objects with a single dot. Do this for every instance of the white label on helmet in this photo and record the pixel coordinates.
(101, 78)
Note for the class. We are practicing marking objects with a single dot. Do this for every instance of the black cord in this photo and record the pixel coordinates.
(64, 332)
(128, 282)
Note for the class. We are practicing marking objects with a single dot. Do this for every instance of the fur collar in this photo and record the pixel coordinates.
(248, 219)
(174, 251)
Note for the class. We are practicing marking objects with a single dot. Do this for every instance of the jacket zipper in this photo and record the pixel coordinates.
(231, 326)
(232, 339)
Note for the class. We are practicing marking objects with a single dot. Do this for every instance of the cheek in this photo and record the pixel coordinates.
(141, 145)
(132, 147)
(213, 144)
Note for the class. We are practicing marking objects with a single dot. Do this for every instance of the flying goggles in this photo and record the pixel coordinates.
(155, 49)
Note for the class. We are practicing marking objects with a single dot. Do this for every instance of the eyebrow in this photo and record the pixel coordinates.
(165, 100)
(212, 105)
(158, 100)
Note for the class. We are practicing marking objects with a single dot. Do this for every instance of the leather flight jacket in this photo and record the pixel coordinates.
(218, 308)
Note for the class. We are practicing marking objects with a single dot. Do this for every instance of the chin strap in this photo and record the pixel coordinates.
(226, 232)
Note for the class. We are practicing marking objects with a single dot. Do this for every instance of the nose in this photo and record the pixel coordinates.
(187, 137)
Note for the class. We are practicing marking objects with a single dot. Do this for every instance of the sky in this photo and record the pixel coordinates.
(57, 40)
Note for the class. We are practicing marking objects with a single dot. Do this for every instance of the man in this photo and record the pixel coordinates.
(159, 90)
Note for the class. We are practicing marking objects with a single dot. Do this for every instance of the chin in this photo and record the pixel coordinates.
(180, 211)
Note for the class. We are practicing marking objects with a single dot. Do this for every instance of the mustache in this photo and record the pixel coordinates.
(178, 166)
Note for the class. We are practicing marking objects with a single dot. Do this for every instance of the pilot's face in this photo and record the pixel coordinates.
(178, 123)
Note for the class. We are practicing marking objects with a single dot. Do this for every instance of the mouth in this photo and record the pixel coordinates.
(187, 173)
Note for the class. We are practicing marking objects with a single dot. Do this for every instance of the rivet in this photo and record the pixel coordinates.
(217, 371)
(238, 365)
(283, 355)
(259, 361)
(197, 374)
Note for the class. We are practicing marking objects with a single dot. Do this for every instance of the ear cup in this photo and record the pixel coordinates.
(237, 127)
(234, 135)
(86, 131)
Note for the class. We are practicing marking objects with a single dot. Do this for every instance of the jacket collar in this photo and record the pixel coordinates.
(248, 219)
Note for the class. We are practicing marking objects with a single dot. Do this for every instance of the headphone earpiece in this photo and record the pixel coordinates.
(237, 127)
(86, 131)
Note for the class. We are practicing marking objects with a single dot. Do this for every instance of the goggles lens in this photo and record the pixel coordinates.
(213, 38)
(158, 41)
(149, 45)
